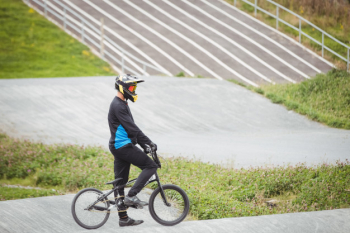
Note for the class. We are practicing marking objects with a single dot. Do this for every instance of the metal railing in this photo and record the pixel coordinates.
(301, 19)
(85, 32)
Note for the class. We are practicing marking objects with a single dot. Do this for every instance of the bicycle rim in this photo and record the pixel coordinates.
(96, 216)
(173, 214)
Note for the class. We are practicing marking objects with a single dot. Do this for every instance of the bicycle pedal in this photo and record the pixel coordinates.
(136, 206)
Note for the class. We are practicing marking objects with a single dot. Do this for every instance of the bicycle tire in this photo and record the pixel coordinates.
(82, 200)
(180, 205)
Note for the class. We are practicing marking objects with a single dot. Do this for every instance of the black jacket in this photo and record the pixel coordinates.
(122, 126)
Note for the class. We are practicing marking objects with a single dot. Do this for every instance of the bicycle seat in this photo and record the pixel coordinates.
(112, 182)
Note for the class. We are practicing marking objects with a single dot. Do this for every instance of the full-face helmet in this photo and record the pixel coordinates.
(126, 84)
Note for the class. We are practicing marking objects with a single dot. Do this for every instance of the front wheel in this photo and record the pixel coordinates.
(175, 212)
(85, 213)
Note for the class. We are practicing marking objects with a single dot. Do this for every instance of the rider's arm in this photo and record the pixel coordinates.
(131, 128)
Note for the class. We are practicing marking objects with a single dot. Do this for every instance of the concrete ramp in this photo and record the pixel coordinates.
(52, 214)
(215, 121)
(207, 38)
(212, 120)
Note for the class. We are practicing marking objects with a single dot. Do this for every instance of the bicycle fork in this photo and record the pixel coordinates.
(162, 191)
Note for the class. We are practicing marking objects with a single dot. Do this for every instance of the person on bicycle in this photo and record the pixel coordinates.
(124, 136)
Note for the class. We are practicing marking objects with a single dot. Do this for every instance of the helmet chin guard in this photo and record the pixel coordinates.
(126, 84)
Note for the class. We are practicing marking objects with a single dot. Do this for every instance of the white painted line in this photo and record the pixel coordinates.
(206, 38)
(98, 37)
(157, 34)
(119, 37)
(136, 34)
(244, 49)
(126, 58)
(273, 41)
(258, 45)
(216, 44)
(180, 35)
(116, 69)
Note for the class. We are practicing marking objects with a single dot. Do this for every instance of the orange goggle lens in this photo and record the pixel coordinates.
(132, 88)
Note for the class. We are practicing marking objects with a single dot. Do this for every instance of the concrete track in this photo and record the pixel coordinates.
(212, 120)
(215, 121)
(199, 37)
(52, 214)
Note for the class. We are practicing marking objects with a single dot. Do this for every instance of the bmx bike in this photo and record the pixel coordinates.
(168, 204)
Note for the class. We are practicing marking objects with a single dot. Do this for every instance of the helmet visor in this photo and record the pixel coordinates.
(132, 88)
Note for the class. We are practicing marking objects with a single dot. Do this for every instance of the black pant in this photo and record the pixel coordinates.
(123, 157)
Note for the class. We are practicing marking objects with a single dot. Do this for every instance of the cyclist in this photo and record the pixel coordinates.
(124, 136)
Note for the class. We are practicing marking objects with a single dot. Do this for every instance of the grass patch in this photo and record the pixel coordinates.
(21, 193)
(32, 46)
(180, 74)
(331, 16)
(214, 191)
(183, 75)
(324, 98)
(239, 83)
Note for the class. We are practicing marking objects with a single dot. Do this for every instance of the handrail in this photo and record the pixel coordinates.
(301, 19)
(84, 28)
(107, 38)
(102, 38)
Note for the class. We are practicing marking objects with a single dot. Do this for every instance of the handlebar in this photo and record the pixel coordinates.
(154, 155)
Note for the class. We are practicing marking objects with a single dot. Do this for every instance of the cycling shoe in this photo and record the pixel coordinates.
(129, 222)
(134, 202)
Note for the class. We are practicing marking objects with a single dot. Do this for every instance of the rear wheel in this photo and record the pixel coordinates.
(90, 218)
(173, 214)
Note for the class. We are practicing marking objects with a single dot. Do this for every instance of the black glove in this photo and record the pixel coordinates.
(147, 149)
(153, 146)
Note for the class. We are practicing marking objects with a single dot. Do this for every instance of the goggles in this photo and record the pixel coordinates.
(132, 88)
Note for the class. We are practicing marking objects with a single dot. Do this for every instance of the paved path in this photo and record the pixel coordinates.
(52, 214)
(199, 37)
(211, 120)
(233, 126)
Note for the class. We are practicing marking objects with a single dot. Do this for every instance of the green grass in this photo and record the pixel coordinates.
(214, 191)
(180, 74)
(324, 98)
(32, 46)
(183, 75)
(340, 30)
(20, 193)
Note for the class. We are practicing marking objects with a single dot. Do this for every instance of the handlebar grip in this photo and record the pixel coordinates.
(154, 155)
(148, 149)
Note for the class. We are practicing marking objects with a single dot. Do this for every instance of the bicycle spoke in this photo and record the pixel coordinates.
(172, 212)
(90, 217)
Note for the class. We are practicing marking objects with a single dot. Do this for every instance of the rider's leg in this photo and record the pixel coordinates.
(121, 170)
(138, 158)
